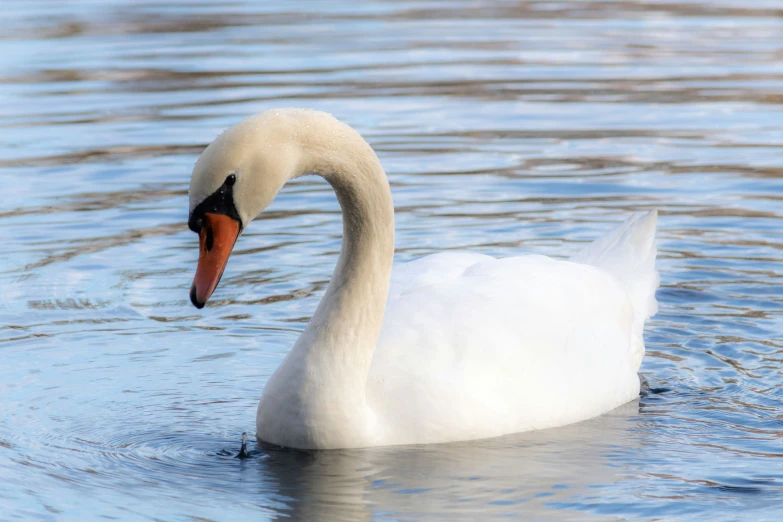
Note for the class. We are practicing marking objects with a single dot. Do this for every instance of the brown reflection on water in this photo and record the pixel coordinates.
(107, 154)
(120, 20)
(98, 244)
(96, 201)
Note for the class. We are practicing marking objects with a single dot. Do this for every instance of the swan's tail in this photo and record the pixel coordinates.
(628, 252)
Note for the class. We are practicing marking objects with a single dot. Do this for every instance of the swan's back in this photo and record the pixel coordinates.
(474, 346)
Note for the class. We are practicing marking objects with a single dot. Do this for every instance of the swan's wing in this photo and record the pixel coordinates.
(477, 347)
(429, 270)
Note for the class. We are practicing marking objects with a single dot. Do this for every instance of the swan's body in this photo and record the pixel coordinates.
(461, 346)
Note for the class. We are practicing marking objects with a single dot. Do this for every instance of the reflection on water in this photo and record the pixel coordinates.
(504, 127)
(458, 481)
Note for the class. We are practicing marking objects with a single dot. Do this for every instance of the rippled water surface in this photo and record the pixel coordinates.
(505, 127)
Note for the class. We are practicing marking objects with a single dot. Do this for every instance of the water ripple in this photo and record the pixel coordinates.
(504, 127)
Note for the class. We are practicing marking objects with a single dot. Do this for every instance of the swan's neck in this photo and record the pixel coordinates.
(319, 389)
(342, 334)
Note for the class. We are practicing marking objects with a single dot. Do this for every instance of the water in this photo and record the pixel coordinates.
(505, 128)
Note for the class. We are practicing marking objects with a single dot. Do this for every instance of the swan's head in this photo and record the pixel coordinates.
(235, 178)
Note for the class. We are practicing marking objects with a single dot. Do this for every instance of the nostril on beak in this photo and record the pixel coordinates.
(210, 239)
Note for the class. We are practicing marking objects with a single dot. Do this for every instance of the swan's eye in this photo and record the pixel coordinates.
(231, 179)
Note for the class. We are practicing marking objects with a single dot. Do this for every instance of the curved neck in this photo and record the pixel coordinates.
(318, 392)
(348, 319)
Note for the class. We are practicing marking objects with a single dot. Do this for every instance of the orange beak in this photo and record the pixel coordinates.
(216, 239)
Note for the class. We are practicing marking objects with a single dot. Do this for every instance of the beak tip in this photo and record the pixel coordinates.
(194, 298)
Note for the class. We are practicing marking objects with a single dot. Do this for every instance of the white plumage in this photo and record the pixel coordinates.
(458, 346)
(473, 346)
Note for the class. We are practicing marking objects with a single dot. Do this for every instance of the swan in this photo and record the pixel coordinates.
(449, 347)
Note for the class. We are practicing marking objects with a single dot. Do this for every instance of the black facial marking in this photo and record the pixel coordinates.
(220, 202)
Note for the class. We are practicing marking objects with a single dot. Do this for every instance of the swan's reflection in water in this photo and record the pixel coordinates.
(543, 470)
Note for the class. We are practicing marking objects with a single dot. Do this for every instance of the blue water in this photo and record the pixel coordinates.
(505, 127)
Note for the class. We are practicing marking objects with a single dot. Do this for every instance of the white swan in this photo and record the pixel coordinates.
(461, 346)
